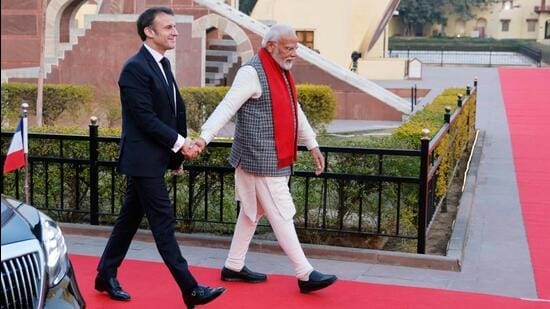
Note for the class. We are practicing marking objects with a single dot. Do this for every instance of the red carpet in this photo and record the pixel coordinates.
(526, 95)
(151, 285)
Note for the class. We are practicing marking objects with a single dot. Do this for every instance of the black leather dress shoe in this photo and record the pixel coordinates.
(245, 275)
(202, 295)
(112, 287)
(316, 282)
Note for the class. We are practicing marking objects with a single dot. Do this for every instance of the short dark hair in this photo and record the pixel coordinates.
(148, 16)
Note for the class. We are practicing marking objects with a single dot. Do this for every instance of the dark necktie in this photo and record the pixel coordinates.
(168, 72)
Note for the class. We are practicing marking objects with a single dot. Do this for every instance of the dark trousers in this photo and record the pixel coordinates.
(147, 196)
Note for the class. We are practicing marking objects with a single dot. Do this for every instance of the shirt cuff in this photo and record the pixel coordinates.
(179, 143)
(311, 143)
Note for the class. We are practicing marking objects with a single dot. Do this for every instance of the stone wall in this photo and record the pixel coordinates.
(21, 21)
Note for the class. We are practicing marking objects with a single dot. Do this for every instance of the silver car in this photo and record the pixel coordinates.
(36, 270)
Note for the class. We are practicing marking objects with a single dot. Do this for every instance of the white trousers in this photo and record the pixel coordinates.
(269, 196)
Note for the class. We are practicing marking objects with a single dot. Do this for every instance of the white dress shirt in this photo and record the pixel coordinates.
(245, 86)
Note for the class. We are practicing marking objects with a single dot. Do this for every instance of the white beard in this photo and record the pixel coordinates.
(285, 65)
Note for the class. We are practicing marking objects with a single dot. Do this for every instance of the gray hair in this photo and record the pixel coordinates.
(276, 32)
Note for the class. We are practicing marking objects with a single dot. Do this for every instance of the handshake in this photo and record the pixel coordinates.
(193, 148)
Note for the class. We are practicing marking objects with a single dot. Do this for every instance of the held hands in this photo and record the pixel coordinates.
(193, 148)
(319, 160)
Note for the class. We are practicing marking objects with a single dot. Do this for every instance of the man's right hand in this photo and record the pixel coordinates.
(188, 150)
(192, 149)
(199, 144)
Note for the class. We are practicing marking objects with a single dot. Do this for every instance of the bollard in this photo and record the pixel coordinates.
(459, 100)
(447, 116)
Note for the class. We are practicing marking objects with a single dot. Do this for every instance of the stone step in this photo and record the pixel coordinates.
(223, 47)
(222, 42)
(221, 55)
(212, 69)
(213, 76)
(218, 64)
(216, 58)
(211, 84)
(210, 52)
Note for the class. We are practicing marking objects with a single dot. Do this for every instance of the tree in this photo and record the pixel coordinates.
(415, 14)
(464, 8)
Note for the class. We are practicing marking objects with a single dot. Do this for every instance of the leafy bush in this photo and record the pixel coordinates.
(453, 144)
(57, 98)
(200, 102)
(318, 103)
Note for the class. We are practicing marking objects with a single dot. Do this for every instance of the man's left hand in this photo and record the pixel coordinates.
(319, 160)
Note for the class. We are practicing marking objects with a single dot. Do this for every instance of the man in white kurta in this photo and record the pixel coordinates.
(261, 185)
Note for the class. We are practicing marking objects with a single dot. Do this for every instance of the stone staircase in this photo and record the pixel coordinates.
(51, 61)
(61, 48)
(325, 64)
(221, 55)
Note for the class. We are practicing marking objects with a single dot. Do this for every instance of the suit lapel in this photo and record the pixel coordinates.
(155, 67)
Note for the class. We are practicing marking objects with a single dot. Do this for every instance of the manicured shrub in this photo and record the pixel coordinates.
(57, 98)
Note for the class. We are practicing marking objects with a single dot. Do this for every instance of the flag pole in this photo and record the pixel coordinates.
(24, 134)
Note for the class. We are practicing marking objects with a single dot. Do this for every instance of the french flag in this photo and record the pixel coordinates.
(18, 150)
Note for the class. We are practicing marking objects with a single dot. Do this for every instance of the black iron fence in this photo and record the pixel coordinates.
(524, 56)
(389, 193)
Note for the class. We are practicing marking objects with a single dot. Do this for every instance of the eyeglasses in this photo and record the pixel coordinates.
(289, 49)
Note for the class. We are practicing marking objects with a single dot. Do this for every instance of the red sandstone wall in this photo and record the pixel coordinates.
(98, 58)
(21, 20)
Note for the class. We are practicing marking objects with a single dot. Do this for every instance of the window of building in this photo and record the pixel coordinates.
(505, 25)
(306, 38)
(531, 25)
(547, 30)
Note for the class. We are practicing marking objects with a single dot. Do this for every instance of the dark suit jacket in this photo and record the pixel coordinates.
(149, 125)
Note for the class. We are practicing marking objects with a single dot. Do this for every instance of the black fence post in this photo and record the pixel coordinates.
(94, 177)
(447, 119)
(447, 116)
(412, 99)
(459, 100)
(423, 191)
(468, 90)
(475, 82)
(415, 94)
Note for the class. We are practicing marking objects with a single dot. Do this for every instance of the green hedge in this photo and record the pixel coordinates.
(452, 146)
(318, 103)
(454, 43)
(57, 98)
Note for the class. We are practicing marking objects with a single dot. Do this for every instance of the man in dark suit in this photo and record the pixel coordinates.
(153, 140)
